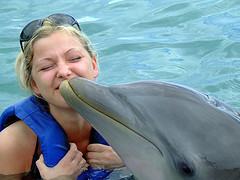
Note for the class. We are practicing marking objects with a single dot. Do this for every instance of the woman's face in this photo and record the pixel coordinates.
(58, 57)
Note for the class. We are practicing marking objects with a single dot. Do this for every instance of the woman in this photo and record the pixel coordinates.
(54, 50)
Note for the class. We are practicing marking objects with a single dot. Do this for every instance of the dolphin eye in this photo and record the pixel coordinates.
(186, 169)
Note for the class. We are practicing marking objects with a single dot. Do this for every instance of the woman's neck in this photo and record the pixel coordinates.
(77, 129)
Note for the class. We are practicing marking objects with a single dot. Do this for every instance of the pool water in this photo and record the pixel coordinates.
(191, 42)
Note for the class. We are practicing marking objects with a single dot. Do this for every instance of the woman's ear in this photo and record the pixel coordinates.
(35, 88)
(95, 67)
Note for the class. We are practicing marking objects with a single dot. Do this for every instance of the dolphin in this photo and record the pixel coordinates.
(162, 130)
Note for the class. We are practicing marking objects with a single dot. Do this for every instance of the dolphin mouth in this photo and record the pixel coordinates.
(66, 85)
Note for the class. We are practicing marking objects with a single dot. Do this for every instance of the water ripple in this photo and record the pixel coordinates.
(191, 42)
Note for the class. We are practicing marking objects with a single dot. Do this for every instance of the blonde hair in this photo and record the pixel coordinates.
(23, 65)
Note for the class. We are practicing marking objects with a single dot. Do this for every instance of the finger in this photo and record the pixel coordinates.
(93, 155)
(82, 164)
(71, 154)
(92, 161)
(78, 158)
(96, 147)
(97, 166)
(40, 162)
(41, 165)
(83, 168)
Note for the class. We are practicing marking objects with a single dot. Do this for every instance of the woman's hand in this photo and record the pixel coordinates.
(70, 166)
(101, 156)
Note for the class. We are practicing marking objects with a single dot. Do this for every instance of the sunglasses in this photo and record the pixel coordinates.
(59, 19)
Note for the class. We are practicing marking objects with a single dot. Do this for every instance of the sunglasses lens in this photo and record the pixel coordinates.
(30, 29)
(62, 19)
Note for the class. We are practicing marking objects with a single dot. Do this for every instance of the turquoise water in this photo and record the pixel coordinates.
(191, 42)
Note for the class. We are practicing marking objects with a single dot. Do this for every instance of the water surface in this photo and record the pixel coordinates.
(190, 42)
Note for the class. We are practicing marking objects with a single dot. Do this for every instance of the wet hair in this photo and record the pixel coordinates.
(23, 65)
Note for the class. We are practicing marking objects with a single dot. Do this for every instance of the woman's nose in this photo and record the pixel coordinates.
(63, 70)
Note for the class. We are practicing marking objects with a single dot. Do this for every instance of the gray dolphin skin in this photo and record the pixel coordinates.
(162, 131)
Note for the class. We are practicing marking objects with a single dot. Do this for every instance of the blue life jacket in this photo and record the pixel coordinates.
(54, 142)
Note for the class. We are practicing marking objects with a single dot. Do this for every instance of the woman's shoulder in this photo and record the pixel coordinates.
(17, 146)
(19, 130)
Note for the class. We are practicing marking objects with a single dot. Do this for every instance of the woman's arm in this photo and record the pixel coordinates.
(17, 145)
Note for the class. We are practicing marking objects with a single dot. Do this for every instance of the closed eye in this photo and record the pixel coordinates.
(46, 68)
(76, 59)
